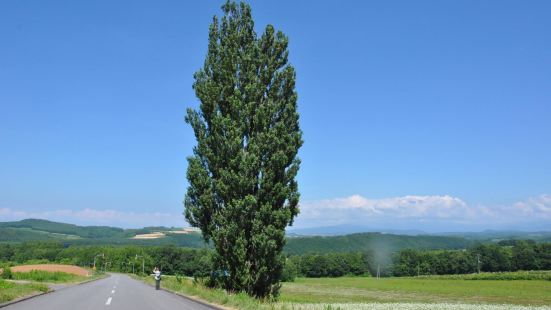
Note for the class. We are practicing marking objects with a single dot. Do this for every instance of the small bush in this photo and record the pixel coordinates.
(45, 276)
(289, 272)
(6, 273)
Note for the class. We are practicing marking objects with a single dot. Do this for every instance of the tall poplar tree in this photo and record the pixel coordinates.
(243, 192)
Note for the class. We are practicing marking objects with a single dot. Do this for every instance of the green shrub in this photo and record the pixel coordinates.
(45, 276)
(6, 273)
(289, 271)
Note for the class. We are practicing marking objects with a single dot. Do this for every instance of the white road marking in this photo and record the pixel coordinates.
(108, 301)
(112, 291)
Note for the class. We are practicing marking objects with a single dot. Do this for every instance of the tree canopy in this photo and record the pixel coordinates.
(242, 190)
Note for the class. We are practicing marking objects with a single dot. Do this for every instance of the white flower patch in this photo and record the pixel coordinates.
(407, 306)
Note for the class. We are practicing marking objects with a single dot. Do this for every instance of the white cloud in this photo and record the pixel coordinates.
(428, 213)
(539, 207)
(420, 212)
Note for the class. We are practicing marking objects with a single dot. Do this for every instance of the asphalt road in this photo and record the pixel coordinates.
(118, 292)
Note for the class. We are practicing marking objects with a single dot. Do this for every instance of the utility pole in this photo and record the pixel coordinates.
(143, 262)
(478, 262)
(378, 271)
(102, 255)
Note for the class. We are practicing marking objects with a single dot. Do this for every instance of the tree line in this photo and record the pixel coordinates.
(507, 256)
(170, 259)
(504, 256)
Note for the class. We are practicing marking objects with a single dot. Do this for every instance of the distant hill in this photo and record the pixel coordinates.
(69, 234)
(498, 235)
(43, 230)
(375, 241)
(65, 229)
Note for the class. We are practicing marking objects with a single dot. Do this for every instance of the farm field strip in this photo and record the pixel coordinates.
(407, 306)
(369, 290)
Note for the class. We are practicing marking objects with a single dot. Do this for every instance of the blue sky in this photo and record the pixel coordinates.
(431, 115)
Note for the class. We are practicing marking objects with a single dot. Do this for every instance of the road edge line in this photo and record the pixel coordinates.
(193, 298)
(20, 299)
(199, 301)
(50, 290)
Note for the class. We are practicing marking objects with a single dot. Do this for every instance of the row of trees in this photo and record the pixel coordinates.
(521, 255)
(170, 259)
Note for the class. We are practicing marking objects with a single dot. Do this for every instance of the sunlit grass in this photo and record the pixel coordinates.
(10, 290)
(359, 293)
(47, 276)
(362, 290)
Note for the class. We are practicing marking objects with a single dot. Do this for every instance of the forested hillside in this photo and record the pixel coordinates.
(382, 244)
(69, 234)
(374, 241)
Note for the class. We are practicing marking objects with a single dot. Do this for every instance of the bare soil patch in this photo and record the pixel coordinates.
(79, 271)
(155, 235)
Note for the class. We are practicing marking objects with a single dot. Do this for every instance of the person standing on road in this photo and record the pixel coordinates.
(157, 274)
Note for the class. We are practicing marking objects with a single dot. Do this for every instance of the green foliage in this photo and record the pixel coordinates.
(6, 273)
(10, 290)
(41, 230)
(289, 271)
(508, 276)
(333, 264)
(46, 276)
(242, 192)
(382, 244)
(67, 229)
(522, 255)
(214, 295)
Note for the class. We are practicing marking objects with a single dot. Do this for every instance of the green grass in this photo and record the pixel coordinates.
(217, 296)
(517, 275)
(47, 276)
(10, 290)
(366, 290)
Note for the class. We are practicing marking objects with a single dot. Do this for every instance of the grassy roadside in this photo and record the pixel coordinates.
(187, 287)
(10, 290)
(28, 283)
(387, 293)
(416, 290)
(50, 277)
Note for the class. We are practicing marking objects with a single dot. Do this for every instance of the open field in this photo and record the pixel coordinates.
(154, 235)
(362, 290)
(48, 276)
(511, 275)
(11, 290)
(385, 293)
(79, 271)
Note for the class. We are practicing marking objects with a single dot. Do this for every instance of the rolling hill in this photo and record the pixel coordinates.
(69, 234)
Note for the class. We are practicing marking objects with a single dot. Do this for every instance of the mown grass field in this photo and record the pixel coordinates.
(11, 290)
(424, 290)
(386, 293)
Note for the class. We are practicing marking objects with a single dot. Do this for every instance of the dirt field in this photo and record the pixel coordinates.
(155, 235)
(47, 267)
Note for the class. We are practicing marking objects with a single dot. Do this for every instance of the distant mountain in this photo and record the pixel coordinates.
(498, 235)
(349, 229)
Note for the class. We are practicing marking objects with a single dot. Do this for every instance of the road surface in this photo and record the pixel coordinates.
(118, 292)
